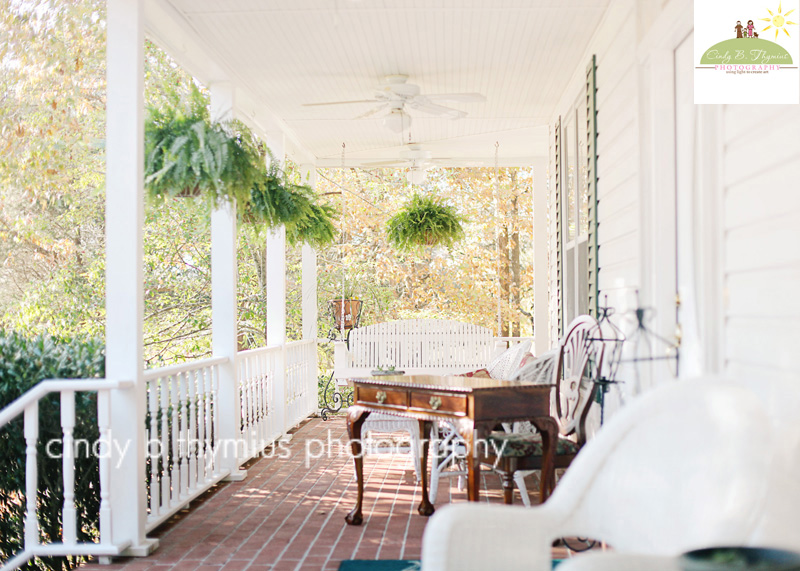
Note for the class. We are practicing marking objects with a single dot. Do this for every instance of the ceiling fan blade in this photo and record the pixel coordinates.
(462, 97)
(338, 102)
(385, 163)
(372, 112)
(422, 104)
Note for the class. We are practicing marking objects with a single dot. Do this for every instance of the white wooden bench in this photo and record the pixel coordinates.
(416, 346)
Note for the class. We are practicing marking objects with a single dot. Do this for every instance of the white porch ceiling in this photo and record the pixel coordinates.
(281, 54)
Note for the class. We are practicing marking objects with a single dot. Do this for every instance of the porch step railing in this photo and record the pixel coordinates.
(28, 405)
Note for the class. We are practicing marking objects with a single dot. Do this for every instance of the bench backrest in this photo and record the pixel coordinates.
(421, 343)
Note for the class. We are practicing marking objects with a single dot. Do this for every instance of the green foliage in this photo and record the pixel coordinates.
(316, 228)
(23, 363)
(424, 221)
(186, 154)
(275, 201)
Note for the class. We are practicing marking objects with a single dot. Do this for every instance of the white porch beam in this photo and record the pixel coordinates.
(124, 271)
(224, 282)
(309, 278)
(541, 241)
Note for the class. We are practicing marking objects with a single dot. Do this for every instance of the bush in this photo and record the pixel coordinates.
(23, 363)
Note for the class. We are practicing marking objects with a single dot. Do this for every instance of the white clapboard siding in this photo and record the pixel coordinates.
(421, 344)
(761, 267)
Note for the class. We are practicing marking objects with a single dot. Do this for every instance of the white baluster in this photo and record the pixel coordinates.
(175, 475)
(191, 435)
(104, 461)
(215, 397)
(183, 440)
(163, 385)
(153, 452)
(201, 424)
(31, 475)
(209, 444)
(69, 515)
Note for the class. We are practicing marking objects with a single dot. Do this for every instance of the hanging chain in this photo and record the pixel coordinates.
(341, 312)
(497, 237)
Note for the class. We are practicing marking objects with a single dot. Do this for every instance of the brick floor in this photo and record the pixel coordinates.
(288, 513)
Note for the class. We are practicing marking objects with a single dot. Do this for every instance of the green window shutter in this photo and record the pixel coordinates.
(591, 173)
(559, 227)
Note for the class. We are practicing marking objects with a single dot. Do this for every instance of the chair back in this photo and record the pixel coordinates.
(686, 465)
(580, 359)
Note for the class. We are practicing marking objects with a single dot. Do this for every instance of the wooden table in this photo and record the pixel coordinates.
(474, 405)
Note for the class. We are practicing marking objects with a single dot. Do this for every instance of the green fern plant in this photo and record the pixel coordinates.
(275, 201)
(188, 155)
(424, 221)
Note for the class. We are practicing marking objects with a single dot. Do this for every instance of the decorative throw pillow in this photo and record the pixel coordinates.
(527, 358)
(480, 373)
(506, 364)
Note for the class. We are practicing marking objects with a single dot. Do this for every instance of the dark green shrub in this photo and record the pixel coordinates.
(23, 363)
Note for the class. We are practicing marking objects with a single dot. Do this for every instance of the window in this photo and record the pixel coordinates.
(576, 204)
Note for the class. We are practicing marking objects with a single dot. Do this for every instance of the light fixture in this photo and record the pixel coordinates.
(417, 175)
(397, 121)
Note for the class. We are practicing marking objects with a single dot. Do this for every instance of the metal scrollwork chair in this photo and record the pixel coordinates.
(520, 452)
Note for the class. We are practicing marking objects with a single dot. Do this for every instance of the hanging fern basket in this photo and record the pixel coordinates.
(424, 221)
(187, 155)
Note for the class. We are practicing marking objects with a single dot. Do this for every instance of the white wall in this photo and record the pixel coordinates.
(761, 258)
(748, 159)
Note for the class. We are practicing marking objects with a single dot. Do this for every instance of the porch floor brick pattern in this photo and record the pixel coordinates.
(289, 515)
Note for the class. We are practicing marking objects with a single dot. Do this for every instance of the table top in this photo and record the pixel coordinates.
(449, 383)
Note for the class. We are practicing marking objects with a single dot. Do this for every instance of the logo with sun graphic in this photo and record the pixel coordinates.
(746, 52)
(778, 21)
(747, 63)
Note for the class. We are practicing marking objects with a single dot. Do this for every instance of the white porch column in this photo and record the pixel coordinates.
(309, 279)
(276, 295)
(224, 281)
(276, 265)
(541, 242)
(124, 273)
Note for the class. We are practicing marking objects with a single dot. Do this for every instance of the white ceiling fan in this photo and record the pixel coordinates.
(395, 95)
(413, 157)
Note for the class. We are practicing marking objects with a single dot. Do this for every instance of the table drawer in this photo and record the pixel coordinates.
(442, 403)
(385, 397)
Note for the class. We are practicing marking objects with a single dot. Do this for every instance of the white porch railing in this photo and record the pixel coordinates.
(28, 405)
(260, 425)
(182, 435)
(263, 418)
(277, 388)
(300, 364)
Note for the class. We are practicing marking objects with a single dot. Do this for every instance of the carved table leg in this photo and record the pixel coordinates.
(425, 506)
(548, 428)
(355, 419)
(466, 428)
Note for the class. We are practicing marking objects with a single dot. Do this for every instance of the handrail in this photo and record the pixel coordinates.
(44, 388)
(258, 350)
(152, 374)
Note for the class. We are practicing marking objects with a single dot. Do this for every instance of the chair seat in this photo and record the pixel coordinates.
(519, 445)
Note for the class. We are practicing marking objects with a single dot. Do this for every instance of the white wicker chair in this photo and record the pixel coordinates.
(447, 447)
(687, 465)
(378, 422)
